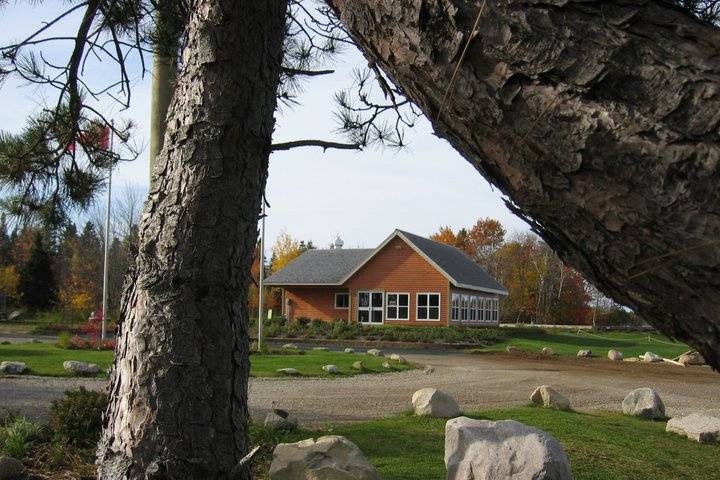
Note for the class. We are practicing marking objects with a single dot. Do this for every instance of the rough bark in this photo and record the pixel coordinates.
(599, 120)
(178, 395)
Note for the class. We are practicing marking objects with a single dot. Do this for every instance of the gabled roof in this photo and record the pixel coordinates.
(320, 267)
(335, 267)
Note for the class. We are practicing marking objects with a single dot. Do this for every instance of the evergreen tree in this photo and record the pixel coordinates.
(37, 282)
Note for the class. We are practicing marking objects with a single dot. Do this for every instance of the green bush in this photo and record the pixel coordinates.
(18, 434)
(64, 340)
(77, 419)
(318, 329)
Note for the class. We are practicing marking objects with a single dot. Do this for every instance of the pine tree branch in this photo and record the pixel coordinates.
(307, 73)
(314, 143)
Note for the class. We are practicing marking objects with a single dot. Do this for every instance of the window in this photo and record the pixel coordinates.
(428, 306)
(342, 300)
(370, 307)
(473, 308)
(455, 308)
(398, 306)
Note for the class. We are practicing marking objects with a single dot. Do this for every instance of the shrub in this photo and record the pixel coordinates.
(77, 419)
(318, 328)
(64, 341)
(18, 434)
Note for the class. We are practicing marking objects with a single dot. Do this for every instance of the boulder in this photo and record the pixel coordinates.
(429, 369)
(321, 349)
(696, 426)
(584, 354)
(615, 355)
(359, 365)
(15, 314)
(349, 350)
(693, 358)
(288, 371)
(430, 402)
(13, 368)
(512, 349)
(548, 351)
(398, 358)
(290, 346)
(387, 365)
(280, 422)
(650, 357)
(644, 402)
(550, 398)
(486, 450)
(375, 352)
(328, 458)
(330, 369)
(80, 368)
(11, 469)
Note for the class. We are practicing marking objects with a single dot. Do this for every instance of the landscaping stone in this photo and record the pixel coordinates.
(279, 422)
(615, 355)
(631, 359)
(398, 358)
(13, 368)
(548, 351)
(349, 350)
(486, 450)
(650, 357)
(331, 369)
(11, 469)
(375, 352)
(429, 369)
(328, 458)
(387, 365)
(359, 365)
(288, 371)
(321, 349)
(80, 368)
(696, 426)
(290, 346)
(691, 359)
(512, 349)
(584, 354)
(644, 402)
(431, 402)
(550, 398)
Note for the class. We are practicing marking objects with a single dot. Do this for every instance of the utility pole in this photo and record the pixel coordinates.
(103, 325)
(261, 278)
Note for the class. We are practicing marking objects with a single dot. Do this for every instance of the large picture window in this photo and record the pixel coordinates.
(397, 306)
(473, 309)
(428, 306)
(370, 307)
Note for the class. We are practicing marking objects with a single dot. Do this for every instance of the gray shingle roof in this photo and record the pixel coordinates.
(460, 267)
(320, 267)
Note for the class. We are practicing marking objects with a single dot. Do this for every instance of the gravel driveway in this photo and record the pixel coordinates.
(477, 381)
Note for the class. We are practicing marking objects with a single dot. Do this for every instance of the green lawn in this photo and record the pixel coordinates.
(46, 359)
(565, 342)
(601, 446)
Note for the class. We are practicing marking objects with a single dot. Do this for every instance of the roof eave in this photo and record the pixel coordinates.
(480, 289)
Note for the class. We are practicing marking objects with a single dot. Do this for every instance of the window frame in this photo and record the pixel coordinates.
(428, 307)
(347, 294)
(397, 307)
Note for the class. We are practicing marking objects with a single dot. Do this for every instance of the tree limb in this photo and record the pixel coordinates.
(314, 143)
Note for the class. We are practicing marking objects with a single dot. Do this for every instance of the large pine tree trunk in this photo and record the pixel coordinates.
(178, 395)
(599, 119)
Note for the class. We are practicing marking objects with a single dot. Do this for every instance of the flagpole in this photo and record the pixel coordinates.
(261, 277)
(103, 327)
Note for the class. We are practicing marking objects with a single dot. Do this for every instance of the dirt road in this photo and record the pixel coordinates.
(477, 382)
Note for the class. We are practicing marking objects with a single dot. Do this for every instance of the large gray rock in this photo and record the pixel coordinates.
(430, 402)
(358, 365)
(13, 368)
(485, 450)
(398, 358)
(548, 351)
(280, 422)
(615, 355)
(11, 469)
(693, 358)
(650, 357)
(349, 350)
(696, 426)
(290, 346)
(329, 458)
(644, 402)
(375, 352)
(80, 368)
(288, 371)
(550, 398)
(330, 369)
(584, 354)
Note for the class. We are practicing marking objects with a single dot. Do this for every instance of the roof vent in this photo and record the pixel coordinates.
(338, 242)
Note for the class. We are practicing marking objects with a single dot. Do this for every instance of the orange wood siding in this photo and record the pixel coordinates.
(313, 302)
(397, 268)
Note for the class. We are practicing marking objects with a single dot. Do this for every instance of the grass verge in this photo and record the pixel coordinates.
(46, 359)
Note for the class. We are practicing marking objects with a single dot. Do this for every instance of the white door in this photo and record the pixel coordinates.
(370, 307)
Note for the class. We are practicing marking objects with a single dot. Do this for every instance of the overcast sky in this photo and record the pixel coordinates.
(313, 195)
